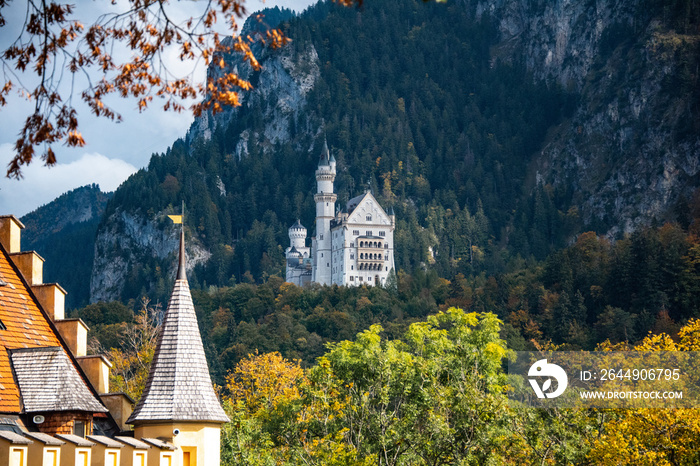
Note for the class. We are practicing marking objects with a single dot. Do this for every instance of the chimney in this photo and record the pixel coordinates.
(10, 233)
(52, 298)
(30, 265)
(74, 332)
(96, 367)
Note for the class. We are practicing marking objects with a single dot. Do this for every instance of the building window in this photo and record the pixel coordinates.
(352, 279)
(321, 254)
(327, 264)
(2, 326)
(356, 232)
(368, 233)
(360, 278)
(352, 267)
(382, 233)
(352, 256)
(79, 428)
(369, 218)
(386, 245)
(321, 236)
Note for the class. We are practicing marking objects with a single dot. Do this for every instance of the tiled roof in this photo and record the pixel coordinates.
(26, 327)
(14, 438)
(132, 442)
(179, 387)
(46, 439)
(106, 441)
(75, 440)
(355, 201)
(159, 443)
(49, 382)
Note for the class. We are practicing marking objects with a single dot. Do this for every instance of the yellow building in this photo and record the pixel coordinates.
(179, 404)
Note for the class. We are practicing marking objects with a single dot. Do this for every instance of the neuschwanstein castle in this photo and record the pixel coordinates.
(354, 246)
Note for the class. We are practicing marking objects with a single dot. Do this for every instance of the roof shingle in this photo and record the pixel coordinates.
(49, 382)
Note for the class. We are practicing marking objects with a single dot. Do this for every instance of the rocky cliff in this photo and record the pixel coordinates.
(632, 147)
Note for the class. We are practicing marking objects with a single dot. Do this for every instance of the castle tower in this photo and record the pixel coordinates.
(179, 404)
(297, 236)
(325, 213)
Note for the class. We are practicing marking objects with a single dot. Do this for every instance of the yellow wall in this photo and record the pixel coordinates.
(75, 456)
(97, 370)
(31, 265)
(10, 233)
(120, 407)
(13, 455)
(206, 438)
(74, 332)
(43, 455)
(52, 298)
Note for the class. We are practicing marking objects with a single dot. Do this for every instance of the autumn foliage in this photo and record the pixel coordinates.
(54, 47)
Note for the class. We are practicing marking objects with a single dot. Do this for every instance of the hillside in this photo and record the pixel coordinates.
(63, 233)
(498, 131)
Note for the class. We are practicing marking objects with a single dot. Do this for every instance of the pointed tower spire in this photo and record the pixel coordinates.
(182, 264)
(179, 396)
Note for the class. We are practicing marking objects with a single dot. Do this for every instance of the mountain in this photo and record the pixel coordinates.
(63, 233)
(496, 130)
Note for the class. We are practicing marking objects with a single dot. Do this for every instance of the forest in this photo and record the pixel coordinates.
(489, 261)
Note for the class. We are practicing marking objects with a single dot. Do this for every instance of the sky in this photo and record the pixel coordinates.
(113, 151)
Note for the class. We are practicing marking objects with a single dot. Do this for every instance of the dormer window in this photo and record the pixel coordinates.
(369, 218)
(2, 326)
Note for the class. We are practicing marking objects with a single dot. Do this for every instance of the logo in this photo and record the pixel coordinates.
(542, 369)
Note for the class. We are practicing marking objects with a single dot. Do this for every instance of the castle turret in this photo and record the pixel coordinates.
(297, 236)
(325, 212)
(178, 403)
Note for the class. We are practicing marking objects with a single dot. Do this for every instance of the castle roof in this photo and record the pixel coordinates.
(355, 201)
(179, 387)
(325, 154)
(297, 225)
(294, 251)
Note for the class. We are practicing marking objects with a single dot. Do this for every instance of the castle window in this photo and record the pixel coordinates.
(369, 218)
(352, 267)
(368, 233)
(386, 245)
(321, 236)
(352, 278)
(382, 233)
(360, 278)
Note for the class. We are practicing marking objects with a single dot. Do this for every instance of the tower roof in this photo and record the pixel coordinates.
(297, 225)
(325, 154)
(179, 387)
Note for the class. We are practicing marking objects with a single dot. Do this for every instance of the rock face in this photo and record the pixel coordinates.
(126, 239)
(63, 233)
(279, 94)
(627, 154)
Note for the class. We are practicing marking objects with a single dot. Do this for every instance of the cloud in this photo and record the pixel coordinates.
(41, 184)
